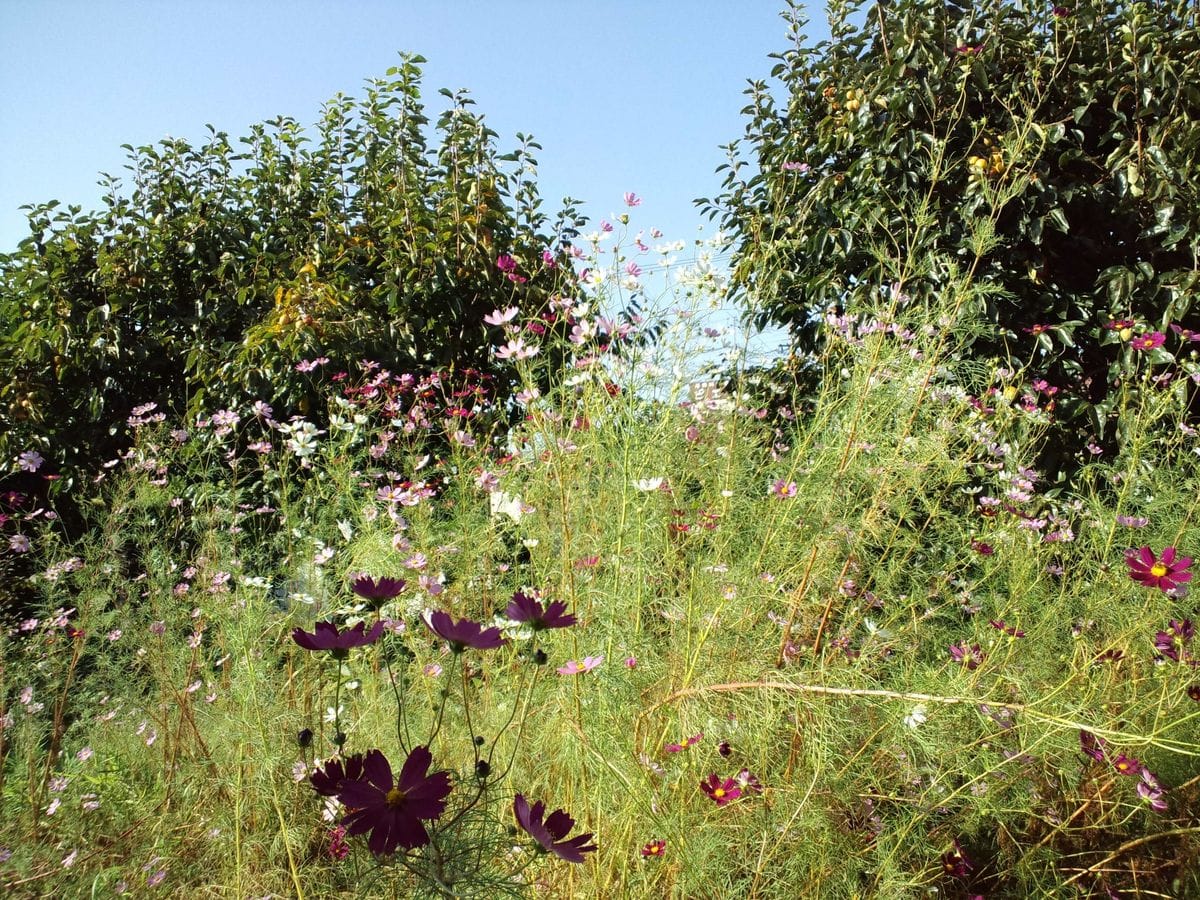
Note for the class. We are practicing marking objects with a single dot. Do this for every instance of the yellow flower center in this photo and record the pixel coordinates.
(1158, 570)
(395, 797)
(719, 793)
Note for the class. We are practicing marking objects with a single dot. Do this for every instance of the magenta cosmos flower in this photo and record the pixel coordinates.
(326, 637)
(377, 591)
(464, 633)
(392, 809)
(720, 792)
(1165, 573)
(1149, 341)
(551, 833)
(527, 609)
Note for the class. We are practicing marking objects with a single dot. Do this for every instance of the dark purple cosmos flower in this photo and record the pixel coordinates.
(523, 608)
(1010, 630)
(326, 637)
(654, 849)
(392, 810)
(1173, 642)
(1193, 691)
(464, 633)
(955, 861)
(1165, 573)
(550, 834)
(377, 591)
(327, 780)
(1092, 745)
(720, 792)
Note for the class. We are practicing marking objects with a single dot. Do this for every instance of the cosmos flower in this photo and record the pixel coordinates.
(464, 633)
(523, 608)
(1148, 341)
(326, 637)
(654, 849)
(1165, 573)
(720, 792)
(574, 667)
(392, 809)
(955, 861)
(1092, 745)
(685, 743)
(551, 833)
(1127, 765)
(327, 780)
(377, 591)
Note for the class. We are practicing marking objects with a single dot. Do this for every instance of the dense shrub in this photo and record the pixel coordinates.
(1044, 151)
(221, 268)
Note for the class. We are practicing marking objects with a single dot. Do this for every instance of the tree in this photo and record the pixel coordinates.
(221, 269)
(1047, 155)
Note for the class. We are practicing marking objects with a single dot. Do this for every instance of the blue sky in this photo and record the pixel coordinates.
(623, 95)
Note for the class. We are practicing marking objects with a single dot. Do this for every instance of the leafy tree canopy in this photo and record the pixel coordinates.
(226, 264)
(1047, 153)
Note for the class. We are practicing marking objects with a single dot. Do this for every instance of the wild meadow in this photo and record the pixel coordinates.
(650, 641)
(366, 533)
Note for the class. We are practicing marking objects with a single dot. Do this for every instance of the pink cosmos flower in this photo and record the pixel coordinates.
(501, 317)
(574, 667)
(632, 199)
(30, 461)
(783, 489)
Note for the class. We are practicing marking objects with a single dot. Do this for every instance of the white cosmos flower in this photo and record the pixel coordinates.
(916, 718)
(648, 484)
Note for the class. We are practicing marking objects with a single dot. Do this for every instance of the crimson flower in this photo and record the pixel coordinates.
(687, 742)
(392, 809)
(464, 633)
(377, 591)
(1127, 765)
(326, 637)
(955, 861)
(1165, 573)
(654, 849)
(550, 833)
(720, 792)
(527, 609)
